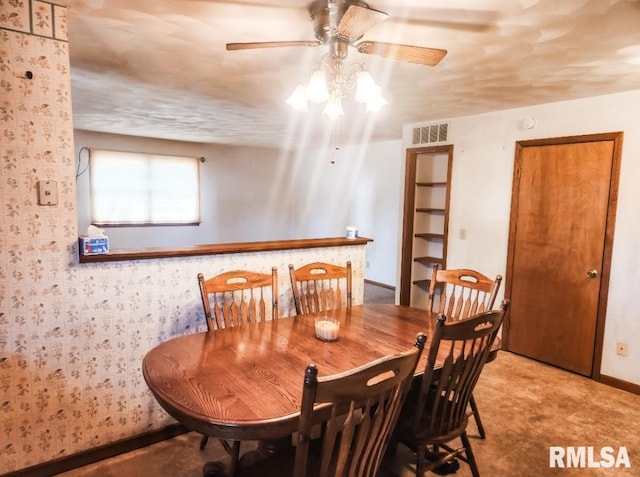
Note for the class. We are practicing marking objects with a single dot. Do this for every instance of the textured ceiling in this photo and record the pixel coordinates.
(159, 68)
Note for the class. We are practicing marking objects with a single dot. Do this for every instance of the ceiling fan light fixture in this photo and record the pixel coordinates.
(331, 81)
(298, 99)
(317, 91)
(333, 107)
(339, 25)
(366, 88)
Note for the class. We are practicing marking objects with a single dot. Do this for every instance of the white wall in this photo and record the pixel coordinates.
(484, 152)
(356, 185)
(244, 193)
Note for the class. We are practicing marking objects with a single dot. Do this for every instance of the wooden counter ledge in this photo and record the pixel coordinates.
(221, 248)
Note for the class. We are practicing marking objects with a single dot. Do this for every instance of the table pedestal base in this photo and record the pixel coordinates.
(266, 448)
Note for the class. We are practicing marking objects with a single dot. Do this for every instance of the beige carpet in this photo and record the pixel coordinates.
(378, 294)
(526, 408)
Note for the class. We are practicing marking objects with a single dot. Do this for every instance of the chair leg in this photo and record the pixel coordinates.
(421, 462)
(476, 416)
(235, 457)
(203, 441)
(471, 460)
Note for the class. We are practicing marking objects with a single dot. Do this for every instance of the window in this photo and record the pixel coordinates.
(139, 189)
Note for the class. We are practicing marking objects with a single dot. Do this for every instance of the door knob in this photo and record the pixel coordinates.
(592, 273)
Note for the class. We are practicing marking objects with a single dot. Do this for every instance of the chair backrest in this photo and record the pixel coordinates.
(237, 297)
(358, 410)
(320, 287)
(457, 354)
(461, 293)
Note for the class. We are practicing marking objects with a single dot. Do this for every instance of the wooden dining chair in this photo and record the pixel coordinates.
(459, 294)
(356, 411)
(320, 287)
(232, 299)
(237, 297)
(438, 414)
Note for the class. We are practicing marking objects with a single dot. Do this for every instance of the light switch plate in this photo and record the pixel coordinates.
(47, 193)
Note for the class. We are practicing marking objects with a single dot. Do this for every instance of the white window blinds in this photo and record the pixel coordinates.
(138, 189)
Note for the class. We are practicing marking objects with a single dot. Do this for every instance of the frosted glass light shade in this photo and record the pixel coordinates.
(333, 108)
(298, 99)
(366, 87)
(317, 91)
(330, 82)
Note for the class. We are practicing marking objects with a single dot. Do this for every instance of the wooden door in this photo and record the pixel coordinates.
(561, 232)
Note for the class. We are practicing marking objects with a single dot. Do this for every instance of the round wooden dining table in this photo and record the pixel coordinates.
(245, 383)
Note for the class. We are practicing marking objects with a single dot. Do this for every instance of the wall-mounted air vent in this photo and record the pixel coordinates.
(430, 134)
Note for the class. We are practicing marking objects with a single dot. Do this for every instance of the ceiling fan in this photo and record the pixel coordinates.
(342, 23)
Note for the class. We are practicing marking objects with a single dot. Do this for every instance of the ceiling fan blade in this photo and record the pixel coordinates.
(356, 20)
(414, 54)
(270, 44)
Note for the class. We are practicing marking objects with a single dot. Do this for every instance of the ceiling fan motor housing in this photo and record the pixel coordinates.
(321, 12)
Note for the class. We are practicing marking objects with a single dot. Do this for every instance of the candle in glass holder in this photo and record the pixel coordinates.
(327, 329)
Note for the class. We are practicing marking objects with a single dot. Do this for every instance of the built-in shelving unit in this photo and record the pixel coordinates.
(426, 219)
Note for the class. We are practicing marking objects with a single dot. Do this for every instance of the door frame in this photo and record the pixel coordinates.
(605, 273)
(408, 214)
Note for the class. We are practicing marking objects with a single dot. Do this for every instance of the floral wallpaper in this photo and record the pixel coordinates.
(73, 336)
